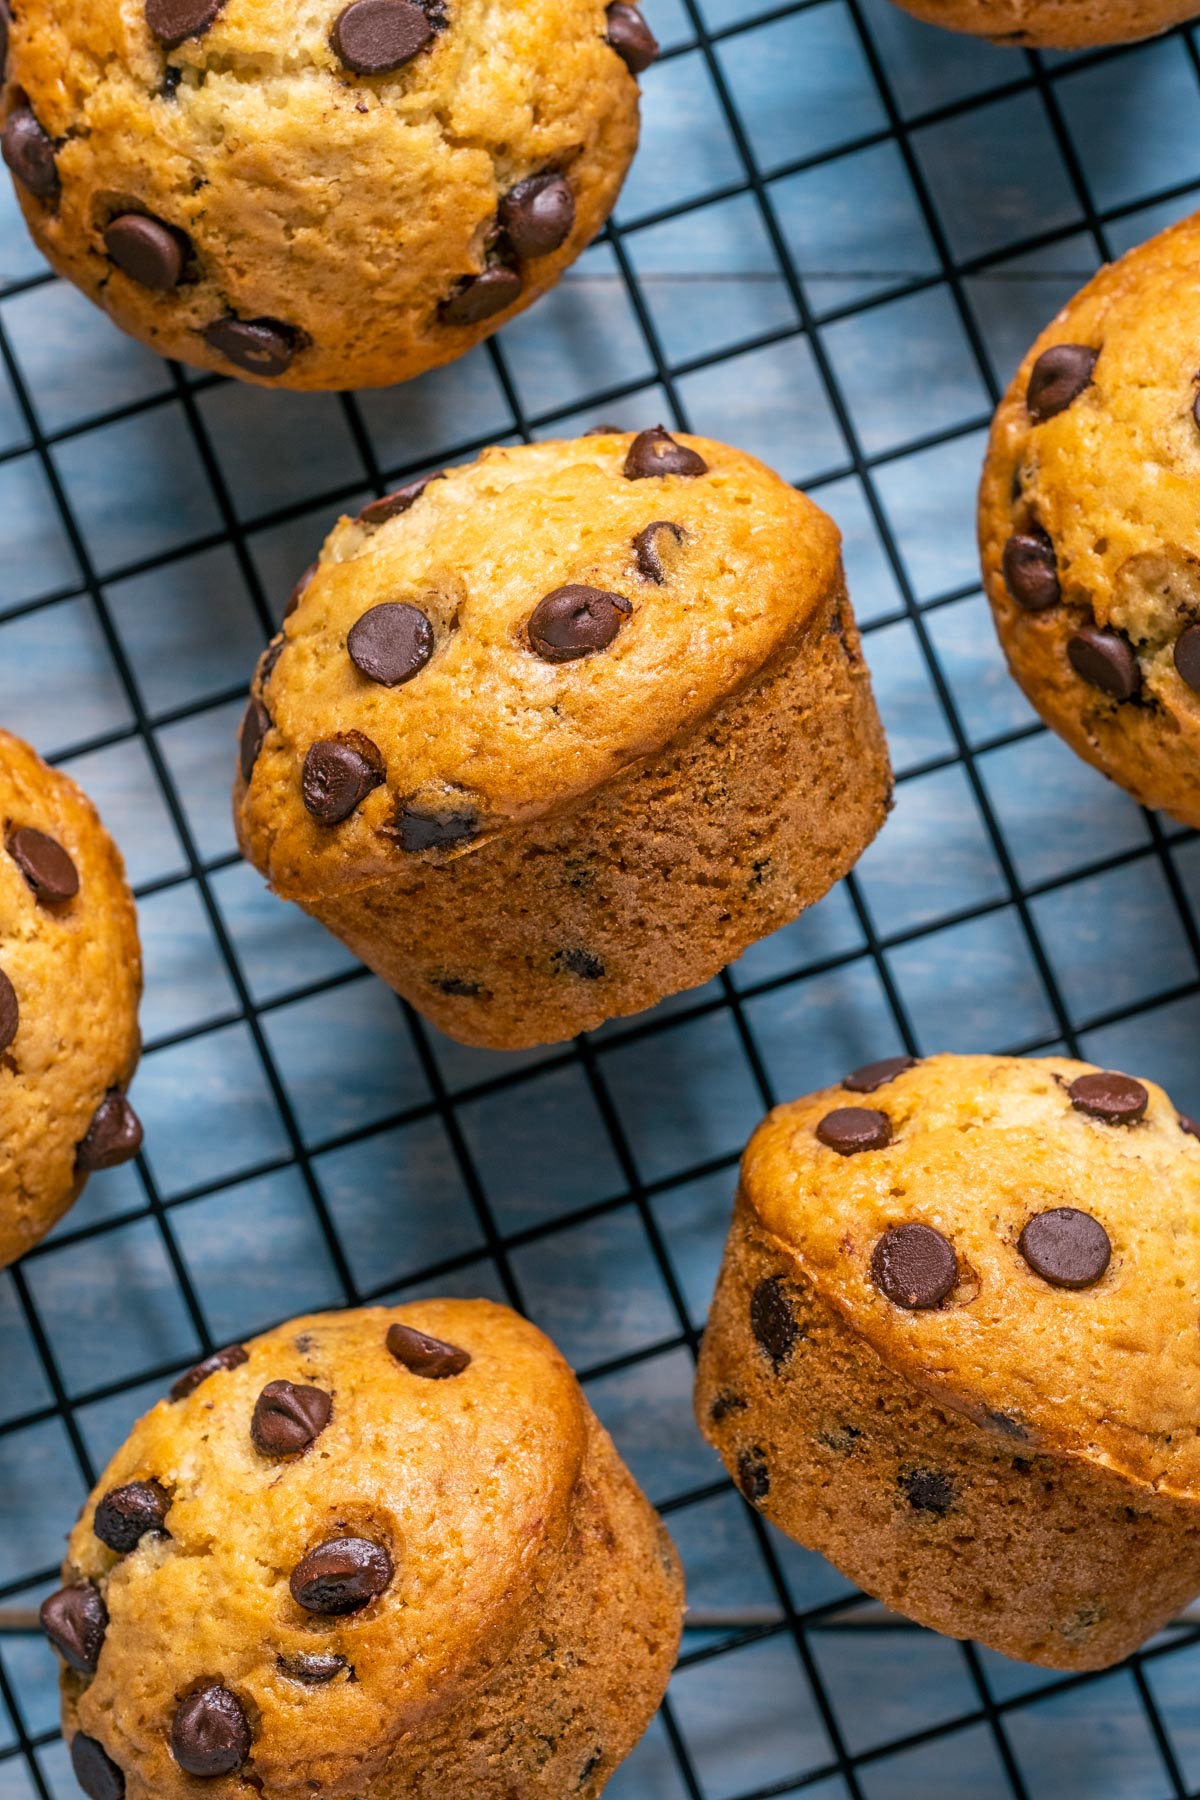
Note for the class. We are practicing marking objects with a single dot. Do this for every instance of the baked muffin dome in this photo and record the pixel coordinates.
(1089, 522)
(326, 196)
(954, 1347)
(70, 982)
(555, 734)
(1054, 24)
(383, 1553)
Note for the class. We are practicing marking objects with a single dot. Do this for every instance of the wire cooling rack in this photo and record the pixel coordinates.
(842, 231)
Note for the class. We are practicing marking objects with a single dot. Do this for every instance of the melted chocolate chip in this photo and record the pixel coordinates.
(1187, 657)
(927, 1491)
(210, 1733)
(10, 1012)
(173, 21)
(433, 831)
(1057, 378)
(256, 722)
(648, 547)
(1189, 1125)
(655, 453)
(772, 1320)
(575, 621)
(392, 505)
(313, 1671)
(95, 1770)
(75, 1620)
(631, 37)
(260, 346)
(480, 297)
(231, 1358)
(1067, 1248)
(1117, 1099)
(113, 1137)
(288, 1418)
(30, 153)
(1105, 660)
(148, 250)
(538, 215)
(341, 1576)
(268, 660)
(338, 776)
(426, 1356)
(44, 863)
(373, 37)
(914, 1266)
(301, 588)
(125, 1515)
(579, 962)
(878, 1074)
(754, 1478)
(1031, 571)
(391, 643)
(852, 1129)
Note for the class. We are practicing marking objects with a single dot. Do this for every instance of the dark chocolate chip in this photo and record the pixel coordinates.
(125, 1514)
(260, 346)
(1031, 571)
(589, 1768)
(172, 77)
(456, 986)
(313, 1671)
(392, 505)
(10, 1012)
(173, 21)
(538, 215)
(301, 588)
(268, 660)
(30, 153)
(754, 1478)
(5, 23)
(373, 37)
(338, 777)
(914, 1266)
(646, 548)
(878, 1074)
(288, 1418)
(44, 863)
(75, 1620)
(433, 831)
(256, 722)
(851, 1129)
(655, 452)
(579, 962)
(1067, 1248)
(480, 297)
(1187, 657)
(426, 1356)
(725, 1403)
(1188, 1124)
(230, 1358)
(113, 1137)
(772, 1320)
(391, 643)
(341, 1576)
(927, 1491)
(95, 1770)
(575, 621)
(1058, 377)
(631, 37)
(1117, 1099)
(1105, 660)
(210, 1733)
(148, 250)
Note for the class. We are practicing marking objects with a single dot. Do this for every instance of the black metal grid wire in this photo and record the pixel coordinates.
(1031, 74)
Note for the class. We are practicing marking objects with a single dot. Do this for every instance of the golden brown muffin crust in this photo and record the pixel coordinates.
(1054, 24)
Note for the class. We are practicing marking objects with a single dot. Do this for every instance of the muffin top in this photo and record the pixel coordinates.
(492, 645)
(1021, 1238)
(70, 980)
(317, 1543)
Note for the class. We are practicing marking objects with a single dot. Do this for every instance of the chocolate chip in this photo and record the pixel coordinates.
(754, 1478)
(1117, 1099)
(173, 21)
(210, 1733)
(878, 1074)
(914, 1266)
(724, 1404)
(75, 1620)
(1187, 657)
(1031, 571)
(113, 1137)
(1066, 1247)
(44, 863)
(1058, 377)
(589, 1768)
(851, 1129)
(631, 37)
(30, 153)
(313, 1671)
(301, 588)
(230, 1358)
(148, 250)
(268, 660)
(288, 1418)
(426, 1356)
(172, 76)
(456, 986)
(1189, 1125)
(433, 831)
(1106, 660)
(95, 1770)
(373, 37)
(341, 1576)
(391, 643)
(5, 23)
(338, 777)
(578, 962)
(260, 346)
(538, 215)
(392, 505)
(10, 1012)
(772, 1320)
(125, 1514)
(927, 1491)
(480, 297)
(575, 621)
(655, 452)
(648, 546)
(256, 722)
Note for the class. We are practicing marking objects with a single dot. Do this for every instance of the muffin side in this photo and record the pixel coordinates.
(1054, 24)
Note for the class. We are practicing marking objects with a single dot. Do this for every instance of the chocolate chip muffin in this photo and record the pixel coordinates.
(386, 1554)
(322, 197)
(1054, 24)
(954, 1347)
(550, 736)
(1089, 525)
(70, 981)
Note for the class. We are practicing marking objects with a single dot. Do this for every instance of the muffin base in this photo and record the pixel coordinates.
(966, 1525)
(1053, 24)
